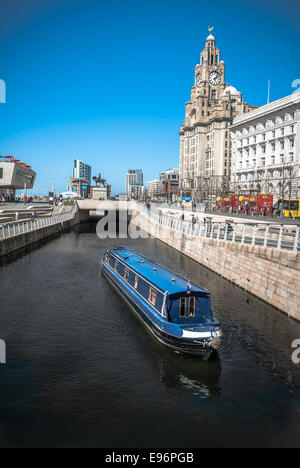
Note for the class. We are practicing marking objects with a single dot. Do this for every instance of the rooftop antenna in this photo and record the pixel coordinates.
(269, 85)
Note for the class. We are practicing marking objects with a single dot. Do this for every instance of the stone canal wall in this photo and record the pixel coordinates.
(15, 242)
(271, 274)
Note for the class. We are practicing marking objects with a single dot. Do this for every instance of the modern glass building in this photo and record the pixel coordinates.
(82, 171)
(134, 183)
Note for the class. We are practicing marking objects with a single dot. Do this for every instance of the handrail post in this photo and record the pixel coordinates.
(226, 232)
(254, 234)
(244, 233)
(266, 235)
(280, 237)
(296, 238)
(234, 232)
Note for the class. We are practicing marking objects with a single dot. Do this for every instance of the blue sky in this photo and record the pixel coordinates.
(106, 82)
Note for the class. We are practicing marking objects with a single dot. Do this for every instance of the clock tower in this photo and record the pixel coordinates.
(205, 136)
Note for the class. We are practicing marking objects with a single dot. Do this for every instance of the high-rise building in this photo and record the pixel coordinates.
(82, 171)
(205, 135)
(266, 149)
(134, 183)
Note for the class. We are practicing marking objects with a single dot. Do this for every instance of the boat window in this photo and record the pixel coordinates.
(136, 282)
(116, 265)
(182, 307)
(152, 296)
(126, 274)
(192, 306)
(106, 258)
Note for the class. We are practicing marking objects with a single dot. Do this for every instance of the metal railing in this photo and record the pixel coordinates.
(273, 235)
(20, 228)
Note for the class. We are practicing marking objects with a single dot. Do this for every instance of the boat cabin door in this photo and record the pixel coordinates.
(187, 308)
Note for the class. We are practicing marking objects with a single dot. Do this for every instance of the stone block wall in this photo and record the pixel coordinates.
(273, 275)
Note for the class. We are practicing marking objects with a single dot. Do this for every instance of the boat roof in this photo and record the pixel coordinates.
(161, 277)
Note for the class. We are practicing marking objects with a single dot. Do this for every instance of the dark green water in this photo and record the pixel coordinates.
(82, 371)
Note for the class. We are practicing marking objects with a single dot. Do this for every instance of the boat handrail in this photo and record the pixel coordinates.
(144, 279)
(138, 274)
(163, 309)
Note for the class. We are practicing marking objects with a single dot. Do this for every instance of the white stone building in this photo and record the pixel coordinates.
(153, 188)
(266, 149)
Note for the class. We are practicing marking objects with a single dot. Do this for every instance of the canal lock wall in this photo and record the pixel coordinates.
(17, 242)
(270, 274)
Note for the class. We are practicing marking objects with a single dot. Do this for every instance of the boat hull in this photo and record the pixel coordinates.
(195, 347)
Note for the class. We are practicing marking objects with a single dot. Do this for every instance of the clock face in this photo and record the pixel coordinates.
(215, 78)
(198, 79)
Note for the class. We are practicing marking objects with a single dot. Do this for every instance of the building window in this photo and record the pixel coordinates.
(182, 307)
(152, 296)
(263, 162)
(126, 274)
(1, 173)
(291, 157)
(192, 307)
(282, 145)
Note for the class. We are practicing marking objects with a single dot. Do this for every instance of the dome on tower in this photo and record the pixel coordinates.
(210, 38)
(230, 90)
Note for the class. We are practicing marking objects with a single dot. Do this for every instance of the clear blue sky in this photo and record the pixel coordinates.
(107, 81)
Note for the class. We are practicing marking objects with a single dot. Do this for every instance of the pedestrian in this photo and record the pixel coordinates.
(182, 217)
(194, 221)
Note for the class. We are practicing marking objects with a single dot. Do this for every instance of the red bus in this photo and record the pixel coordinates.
(246, 202)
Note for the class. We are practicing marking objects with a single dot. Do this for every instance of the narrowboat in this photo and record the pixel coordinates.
(176, 311)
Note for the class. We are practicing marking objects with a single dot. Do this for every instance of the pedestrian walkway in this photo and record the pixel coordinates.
(234, 217)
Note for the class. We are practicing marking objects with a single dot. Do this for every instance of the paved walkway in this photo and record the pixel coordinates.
(220, 217)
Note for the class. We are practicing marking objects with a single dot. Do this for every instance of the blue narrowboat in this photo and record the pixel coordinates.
(177, 312)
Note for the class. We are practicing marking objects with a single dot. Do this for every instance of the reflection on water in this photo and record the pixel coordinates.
(193, 375)
(82, 370)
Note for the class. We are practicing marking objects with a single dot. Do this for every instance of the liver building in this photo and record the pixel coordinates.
(205, 152)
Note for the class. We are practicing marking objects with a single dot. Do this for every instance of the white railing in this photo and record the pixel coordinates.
(20, 228)
(267, 235)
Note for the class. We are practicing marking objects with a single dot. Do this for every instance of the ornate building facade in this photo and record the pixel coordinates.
(266, 149)
(205, 150)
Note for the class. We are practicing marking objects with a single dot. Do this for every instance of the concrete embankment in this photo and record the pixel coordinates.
(271, 274)
(13, 243)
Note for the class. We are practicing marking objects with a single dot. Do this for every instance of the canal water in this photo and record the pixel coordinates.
(82, 371)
